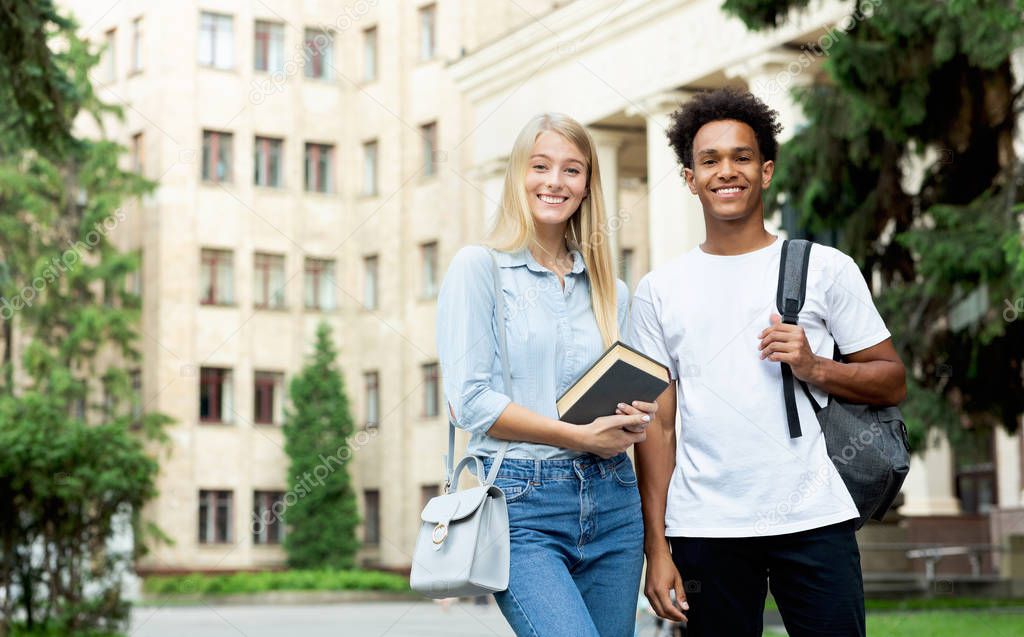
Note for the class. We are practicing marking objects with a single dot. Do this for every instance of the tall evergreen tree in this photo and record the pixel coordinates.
(928, 84)
(322, 518)
(65, 483)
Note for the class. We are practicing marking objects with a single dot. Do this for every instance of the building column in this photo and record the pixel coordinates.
(928, 489)
(1008, 468)
(676, 218)
(771, 76)
(491, 176)
(607, 144)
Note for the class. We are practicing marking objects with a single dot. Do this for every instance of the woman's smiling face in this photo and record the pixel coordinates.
(556, 179)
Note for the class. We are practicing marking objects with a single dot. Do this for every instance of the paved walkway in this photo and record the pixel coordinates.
(381, 619)
(373, 619)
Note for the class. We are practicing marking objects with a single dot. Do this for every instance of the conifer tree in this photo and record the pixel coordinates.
(321, 515)
(74, 469)
(925, 84)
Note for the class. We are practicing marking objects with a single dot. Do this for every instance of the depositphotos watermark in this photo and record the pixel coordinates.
(810, 52)
(309, 481)
(319, 44)
(59, 265)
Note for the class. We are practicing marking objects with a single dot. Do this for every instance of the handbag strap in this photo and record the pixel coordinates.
(499, 311)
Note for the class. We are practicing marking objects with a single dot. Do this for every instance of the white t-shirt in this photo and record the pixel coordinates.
(738, 473)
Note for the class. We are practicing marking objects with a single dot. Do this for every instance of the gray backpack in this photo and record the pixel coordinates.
(867, 444)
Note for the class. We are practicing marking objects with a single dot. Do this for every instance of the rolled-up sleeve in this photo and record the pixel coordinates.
(466, 343)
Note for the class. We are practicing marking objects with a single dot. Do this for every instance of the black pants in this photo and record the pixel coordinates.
(814, 576)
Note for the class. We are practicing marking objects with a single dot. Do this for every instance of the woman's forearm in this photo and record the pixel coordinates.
(520, 424)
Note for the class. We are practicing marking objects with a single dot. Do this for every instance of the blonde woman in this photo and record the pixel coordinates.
(574, 509)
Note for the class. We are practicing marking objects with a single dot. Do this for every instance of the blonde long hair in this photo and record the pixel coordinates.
(587, 230)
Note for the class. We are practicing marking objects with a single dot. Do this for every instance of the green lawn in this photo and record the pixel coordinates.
(943, 624)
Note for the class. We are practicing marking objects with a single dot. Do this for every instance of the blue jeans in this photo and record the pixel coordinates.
(577, 546)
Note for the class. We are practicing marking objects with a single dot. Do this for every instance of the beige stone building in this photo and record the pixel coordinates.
(323, 161)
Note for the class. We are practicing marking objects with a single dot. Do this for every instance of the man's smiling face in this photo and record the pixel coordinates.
(728, 173)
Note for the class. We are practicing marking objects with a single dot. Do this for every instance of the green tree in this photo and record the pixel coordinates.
(65, 484)
(929, 84)
(323, 518)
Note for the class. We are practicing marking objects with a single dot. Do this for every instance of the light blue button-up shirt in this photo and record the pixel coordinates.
(552, 339)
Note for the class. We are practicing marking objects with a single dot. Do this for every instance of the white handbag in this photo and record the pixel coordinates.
(462, 548)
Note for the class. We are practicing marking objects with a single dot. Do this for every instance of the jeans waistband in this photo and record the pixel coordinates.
(584, 466)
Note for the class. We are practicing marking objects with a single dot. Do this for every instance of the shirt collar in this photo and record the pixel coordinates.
(524, 257)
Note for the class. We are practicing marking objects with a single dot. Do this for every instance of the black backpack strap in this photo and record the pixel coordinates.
(789, 299)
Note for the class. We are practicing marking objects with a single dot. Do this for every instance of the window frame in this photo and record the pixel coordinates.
(272, 32)
(371, 62)
(371, 168)
(429, 286)
(427, 21)
(322, 273)
(137, 63)
(268, 402)
(264, 149)
(371, 515)
(265, 500)
(213, 500)
(371, 281)
(212, 22)
(218, 397)
(318, 174)
(371, 399)
(213, 140)
(431, 374)
(314, 57)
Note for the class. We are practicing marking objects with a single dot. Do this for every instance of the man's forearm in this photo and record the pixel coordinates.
(877, 382)
(655, 462)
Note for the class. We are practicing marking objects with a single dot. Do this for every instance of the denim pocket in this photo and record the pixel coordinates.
(624, 473)
(515, 489)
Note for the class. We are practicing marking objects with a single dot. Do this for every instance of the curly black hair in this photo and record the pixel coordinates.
(725, 103)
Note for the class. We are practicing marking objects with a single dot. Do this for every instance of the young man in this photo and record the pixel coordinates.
(736, 505)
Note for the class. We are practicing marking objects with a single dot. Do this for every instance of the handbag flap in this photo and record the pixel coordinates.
(455, 506)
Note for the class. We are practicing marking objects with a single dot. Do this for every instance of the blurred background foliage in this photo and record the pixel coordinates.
(907, 156)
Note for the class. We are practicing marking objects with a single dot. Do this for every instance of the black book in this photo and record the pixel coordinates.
(621, 375)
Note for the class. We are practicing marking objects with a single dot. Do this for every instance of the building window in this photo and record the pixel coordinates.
(109, 63)
(319, 284)
(215, 395)
(428, 132)
(370, 264)
(370, 168)
(136, 45)
(216, 41)
(627, 266)
(137, 404)
(267, 517)
(216, 156)
(431, 393)
(370, 54)
(428, 33)
(371, 383)
(428, 492)
(371, 521)
(268, 277)
(215, 517)
(976, 471)
(267, 162)
(268, 392)
(319, 162)
(268, 47)
(138, 155)
(428, 269)
(318, 47)
(216, 277)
